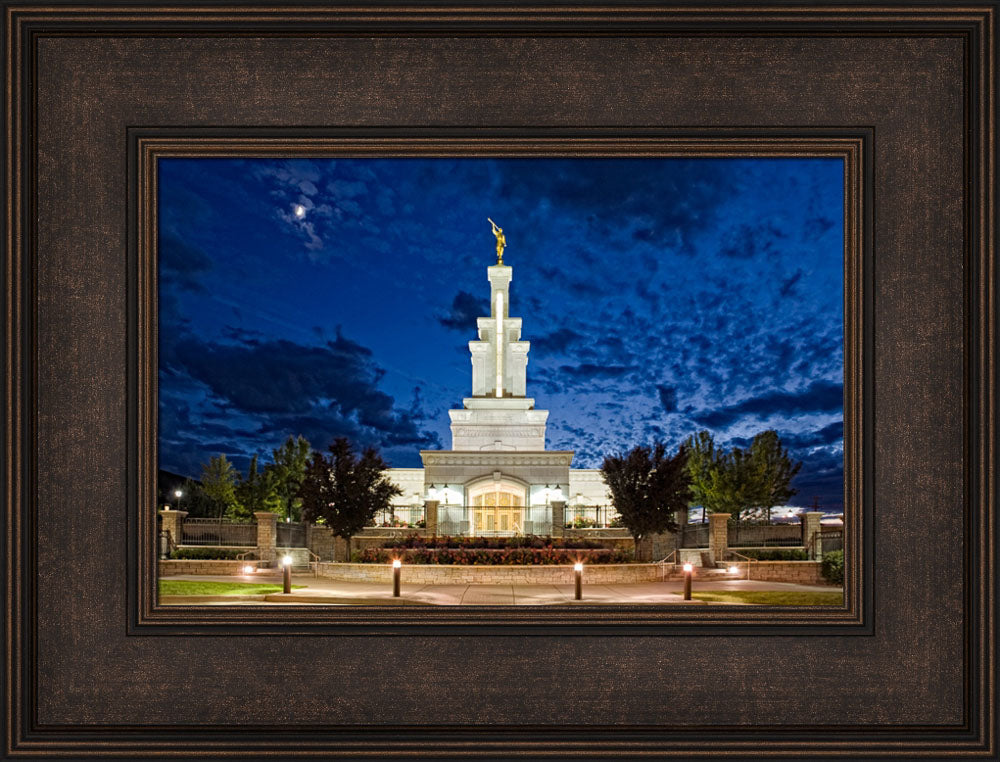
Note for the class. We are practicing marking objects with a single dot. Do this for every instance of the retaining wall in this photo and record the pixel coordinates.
(801, 572)
(595, 574)
(190, 566)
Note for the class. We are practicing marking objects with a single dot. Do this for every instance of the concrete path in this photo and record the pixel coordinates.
(322, 590)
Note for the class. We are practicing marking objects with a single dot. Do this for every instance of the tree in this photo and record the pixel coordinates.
(774, 471)
(648, 488)
(218, 482)
(255, 493)
(344, 490)
(721, 481)
(289, 469)
(702, 459)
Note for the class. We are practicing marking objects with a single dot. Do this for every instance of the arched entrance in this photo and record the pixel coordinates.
(497, 507)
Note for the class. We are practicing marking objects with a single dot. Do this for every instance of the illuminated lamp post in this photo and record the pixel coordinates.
(396, 573)
(578, 570)
(286, 565)
(178, 494)
(688, 571)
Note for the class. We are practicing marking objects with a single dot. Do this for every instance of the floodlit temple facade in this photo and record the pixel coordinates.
(498, 478)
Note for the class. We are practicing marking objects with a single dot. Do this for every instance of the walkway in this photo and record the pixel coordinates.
(321, 590)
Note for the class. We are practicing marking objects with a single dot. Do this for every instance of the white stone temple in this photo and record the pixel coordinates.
(498, 478)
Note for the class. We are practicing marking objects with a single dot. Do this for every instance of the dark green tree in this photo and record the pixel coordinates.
(218, 482)
(773, 471)
(255, 492)
(648, 488)
(345, 490)
(288, 469)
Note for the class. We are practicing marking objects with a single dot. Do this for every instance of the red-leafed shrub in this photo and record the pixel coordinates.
(493, 556)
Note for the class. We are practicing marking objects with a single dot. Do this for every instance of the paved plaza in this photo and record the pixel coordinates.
(328, 591)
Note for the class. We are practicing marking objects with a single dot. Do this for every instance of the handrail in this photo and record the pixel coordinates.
(662, 563)
(749, 560)
(314, 562)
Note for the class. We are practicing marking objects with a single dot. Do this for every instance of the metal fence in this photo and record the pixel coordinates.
(590, 516)
(694, 536)
(400, 516)
(218, 532)
(290, 534)
(760, 534)
(831, 539)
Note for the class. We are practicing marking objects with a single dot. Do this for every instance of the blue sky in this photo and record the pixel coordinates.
(660, 296)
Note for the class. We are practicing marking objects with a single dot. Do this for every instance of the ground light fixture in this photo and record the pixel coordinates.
(734, 570)
(286, 564)
(688, 571)
(578, 571)
(396, 573)
(248, 569)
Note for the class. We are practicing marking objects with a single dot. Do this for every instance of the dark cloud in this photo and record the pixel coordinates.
(751, 241)
(668, 397)
(818, 397)
(592, 371)
(283, 387)
(181, 263)
(825, 436)
(465, 309)
(556, 342)
(789, 283)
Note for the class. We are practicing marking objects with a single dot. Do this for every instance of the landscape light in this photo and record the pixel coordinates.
(578, 569)
(248, 569)
(734, 570)
(396, 563)
(286, 575)
(396, 572)
(688, 568)
(178, 493)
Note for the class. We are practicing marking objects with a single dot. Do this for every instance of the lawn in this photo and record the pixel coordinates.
(772, 597)
(194, 587)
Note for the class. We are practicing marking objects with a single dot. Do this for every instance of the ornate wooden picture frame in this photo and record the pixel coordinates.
(905, 94)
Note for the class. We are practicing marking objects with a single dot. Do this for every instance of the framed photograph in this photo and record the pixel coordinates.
(550, 381)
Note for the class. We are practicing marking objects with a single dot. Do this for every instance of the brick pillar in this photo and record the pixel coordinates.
(810, 529)
(431, 516)
(718, 535)
(267, 534)
(558, 517)
(173, 522)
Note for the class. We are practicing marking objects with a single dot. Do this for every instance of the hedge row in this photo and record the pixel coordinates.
(207, 554)
(493, 543)
(774, 554)
(491, 557)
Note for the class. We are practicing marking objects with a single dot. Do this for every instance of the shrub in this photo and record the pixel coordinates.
(207, 554)
(832, 567)
(491, 556)
(767, 554)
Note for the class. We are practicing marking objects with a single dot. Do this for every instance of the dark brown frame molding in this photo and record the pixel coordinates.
(906, 93)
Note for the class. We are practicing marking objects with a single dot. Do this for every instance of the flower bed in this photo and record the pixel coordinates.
(493, 543)
(492, 556)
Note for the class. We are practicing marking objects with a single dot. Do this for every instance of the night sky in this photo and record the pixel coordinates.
(337, 298)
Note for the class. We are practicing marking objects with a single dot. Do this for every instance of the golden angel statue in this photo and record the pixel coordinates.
(501, 240)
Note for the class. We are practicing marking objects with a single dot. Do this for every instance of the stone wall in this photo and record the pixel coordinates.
(320, 540)
(183, 566)
(800, 572)
(596, 574)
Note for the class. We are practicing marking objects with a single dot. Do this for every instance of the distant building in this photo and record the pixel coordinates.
(498, 478)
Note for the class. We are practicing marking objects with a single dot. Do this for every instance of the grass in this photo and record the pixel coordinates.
(772, 597)
(195, 587)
